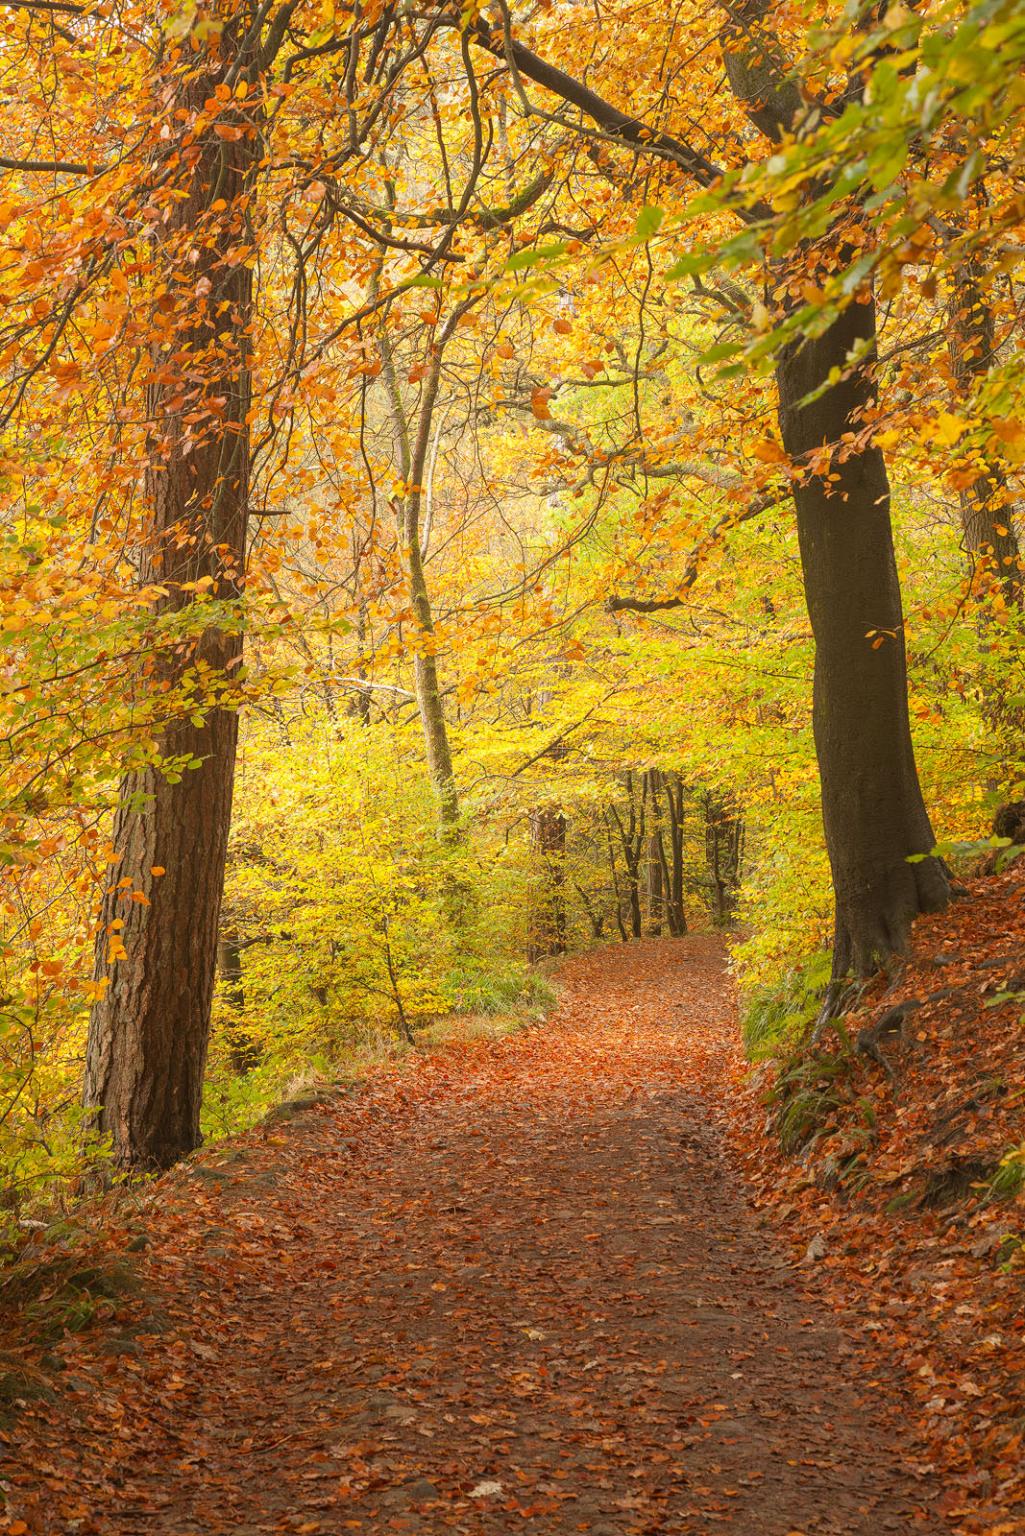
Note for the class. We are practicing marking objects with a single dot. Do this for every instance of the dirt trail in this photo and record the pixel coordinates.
(516, 1288)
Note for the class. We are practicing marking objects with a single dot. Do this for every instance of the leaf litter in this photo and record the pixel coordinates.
(507, 1285)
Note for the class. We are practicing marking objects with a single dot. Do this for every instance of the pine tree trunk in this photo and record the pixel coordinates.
(872, 807)
(156, 949)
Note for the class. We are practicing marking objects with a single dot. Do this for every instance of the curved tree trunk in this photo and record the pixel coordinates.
(872, 807)
(156, 949)
(411, 454)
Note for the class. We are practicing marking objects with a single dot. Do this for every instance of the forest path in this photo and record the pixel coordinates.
(515, 1287)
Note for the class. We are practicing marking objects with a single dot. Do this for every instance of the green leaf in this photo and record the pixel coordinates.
(648, 221)
(521, 260)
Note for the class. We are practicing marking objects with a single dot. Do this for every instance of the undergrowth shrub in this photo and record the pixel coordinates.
(357, 924)
(778, 1015)
(809, 1087)
(1008, 1182)
(476, 987)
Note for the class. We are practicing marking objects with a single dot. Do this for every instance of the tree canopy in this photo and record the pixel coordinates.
(475, 482)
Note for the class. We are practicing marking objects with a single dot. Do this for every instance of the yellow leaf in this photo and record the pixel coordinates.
(948, 429)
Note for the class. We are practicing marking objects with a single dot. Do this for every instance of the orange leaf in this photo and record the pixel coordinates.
(769, 451)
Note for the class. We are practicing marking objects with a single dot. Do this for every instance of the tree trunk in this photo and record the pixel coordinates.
(428, 689)
(656, 859)
(631, 838)
(675, 910)
(157, 942)
(655, 862)
(411, 454)
(712, 852)
(242, 1051)
(873, 810)
(615, 876)
(987, 511)
(548, 928)
(595, 914)
(724, 835)
(872, 807)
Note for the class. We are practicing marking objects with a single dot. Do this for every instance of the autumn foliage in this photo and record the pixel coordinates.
(481, 484)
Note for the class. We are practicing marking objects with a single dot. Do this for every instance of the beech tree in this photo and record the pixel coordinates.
(155, 967)
(987, 511)
(417, 359)
(157, 940)
(874, 815)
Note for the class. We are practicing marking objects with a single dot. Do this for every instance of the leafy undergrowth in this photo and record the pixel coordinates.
(901, 1174)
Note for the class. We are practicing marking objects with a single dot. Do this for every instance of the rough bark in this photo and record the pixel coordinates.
(872, 807)
(157, 941)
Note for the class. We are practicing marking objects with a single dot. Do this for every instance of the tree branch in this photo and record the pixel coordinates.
(620, 125)
(57, 167)
(714, 535)
(64, 7)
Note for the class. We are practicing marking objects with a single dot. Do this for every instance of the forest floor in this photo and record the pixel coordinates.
(507, 1286)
